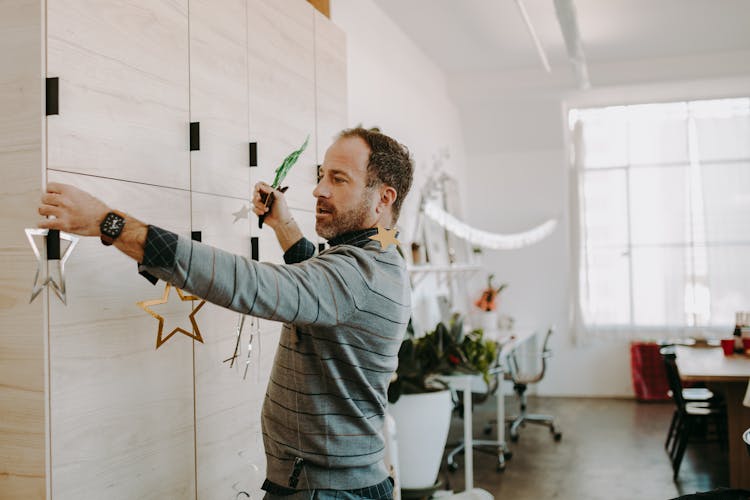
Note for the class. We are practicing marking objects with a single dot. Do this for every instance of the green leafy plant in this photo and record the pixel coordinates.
(287, 164)
(443, 351)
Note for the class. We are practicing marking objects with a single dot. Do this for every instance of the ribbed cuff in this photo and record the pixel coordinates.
(300, 251)
(160, 248)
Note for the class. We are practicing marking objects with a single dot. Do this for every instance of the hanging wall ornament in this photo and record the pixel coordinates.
(53, 256)
(485, 239)
(238, 331)
(386, 237)
(160, 337)
(254, 330)
(242, 213)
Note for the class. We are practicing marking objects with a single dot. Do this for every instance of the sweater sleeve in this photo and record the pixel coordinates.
(317, 291)
(300, 251)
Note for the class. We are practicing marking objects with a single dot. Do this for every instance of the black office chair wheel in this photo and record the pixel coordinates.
(487, 430)
(508, 455)
(452, 467)
(514, 438)
(500, 468)
(557, 435)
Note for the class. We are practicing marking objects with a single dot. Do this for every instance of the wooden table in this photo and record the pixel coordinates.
(729, 375)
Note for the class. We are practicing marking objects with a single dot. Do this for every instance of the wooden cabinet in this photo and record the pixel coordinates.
(281, 59)
(23, 376)
(226, 404)
(219, 97)
(124, 89)
(119, 409)
(90, 408)
(330, 83)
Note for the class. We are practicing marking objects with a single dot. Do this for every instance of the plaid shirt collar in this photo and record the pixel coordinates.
(357, 238)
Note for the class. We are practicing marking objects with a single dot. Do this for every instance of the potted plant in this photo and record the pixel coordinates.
(420, 401)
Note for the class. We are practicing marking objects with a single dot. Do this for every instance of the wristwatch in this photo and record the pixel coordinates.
(111, 227)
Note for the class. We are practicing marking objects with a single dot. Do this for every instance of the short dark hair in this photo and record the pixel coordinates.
(390, 163)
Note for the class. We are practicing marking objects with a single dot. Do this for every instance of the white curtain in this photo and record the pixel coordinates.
(661, 218)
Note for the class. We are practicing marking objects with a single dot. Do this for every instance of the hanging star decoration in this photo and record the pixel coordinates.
(242, 213)
(160, 337)
(386, 237)
(238, 332)
(58, 288)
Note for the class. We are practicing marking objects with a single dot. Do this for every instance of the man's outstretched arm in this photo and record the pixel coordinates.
(77, 212)
(316, 293)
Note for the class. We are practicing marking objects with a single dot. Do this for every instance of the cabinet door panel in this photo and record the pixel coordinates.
(282, 92)
(228, 439)
(218, 97)
(123, 69)
(121, 411)
(330, 82)
(22, 325)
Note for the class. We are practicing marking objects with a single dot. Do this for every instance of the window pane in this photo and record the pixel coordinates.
(658, 134)
(729, 282)
(659, 205)
(723, 129)
(726, 200)
(605, 137)
(659, 286)
(605, 289)
(665, 200)
(605, 219)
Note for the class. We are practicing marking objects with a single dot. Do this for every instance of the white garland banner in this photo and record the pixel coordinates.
(486, 239)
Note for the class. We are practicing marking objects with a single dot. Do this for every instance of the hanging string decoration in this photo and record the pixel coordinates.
(485, 239)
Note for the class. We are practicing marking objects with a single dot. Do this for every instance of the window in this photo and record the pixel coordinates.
(663, 220)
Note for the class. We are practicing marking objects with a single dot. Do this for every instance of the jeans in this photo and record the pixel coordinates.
(381, 491)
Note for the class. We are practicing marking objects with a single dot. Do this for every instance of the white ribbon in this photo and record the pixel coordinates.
(486, 239)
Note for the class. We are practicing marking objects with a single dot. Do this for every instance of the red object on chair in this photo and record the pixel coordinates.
(648, 373)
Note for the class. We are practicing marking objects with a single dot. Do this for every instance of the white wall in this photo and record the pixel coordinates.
(516, 153)
(395, 86)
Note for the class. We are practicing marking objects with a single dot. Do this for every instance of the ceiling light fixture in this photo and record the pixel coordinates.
(534, 37)
(568, 20)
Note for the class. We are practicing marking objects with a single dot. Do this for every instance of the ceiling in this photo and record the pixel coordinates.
(490, 35)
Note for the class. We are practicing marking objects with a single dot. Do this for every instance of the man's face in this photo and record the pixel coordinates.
(345, 203)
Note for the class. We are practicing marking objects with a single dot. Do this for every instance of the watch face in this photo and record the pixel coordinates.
(112, 225)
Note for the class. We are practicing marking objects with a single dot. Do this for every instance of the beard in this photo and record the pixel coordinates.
(338, 223)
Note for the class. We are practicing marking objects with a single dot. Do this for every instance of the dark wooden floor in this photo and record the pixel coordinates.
(611, 449)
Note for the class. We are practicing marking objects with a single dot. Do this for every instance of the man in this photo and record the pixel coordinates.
(345, 311)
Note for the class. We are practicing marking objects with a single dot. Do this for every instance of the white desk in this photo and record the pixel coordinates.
(508, 342)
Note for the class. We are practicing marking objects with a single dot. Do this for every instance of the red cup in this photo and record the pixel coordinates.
(728, 346)
(746, 345)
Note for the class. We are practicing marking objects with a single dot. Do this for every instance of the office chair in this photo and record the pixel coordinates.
(520, 384)
(689, 415)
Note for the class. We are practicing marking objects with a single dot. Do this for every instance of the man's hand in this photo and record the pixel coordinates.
(278, 214)
(75, 211)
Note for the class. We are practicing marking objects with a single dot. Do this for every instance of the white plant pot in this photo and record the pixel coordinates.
(488, 321)
(422, 423)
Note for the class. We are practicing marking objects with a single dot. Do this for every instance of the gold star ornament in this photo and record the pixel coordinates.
(386, 237)
(160, 337)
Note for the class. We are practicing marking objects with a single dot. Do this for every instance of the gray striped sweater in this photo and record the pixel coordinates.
(345, 313)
